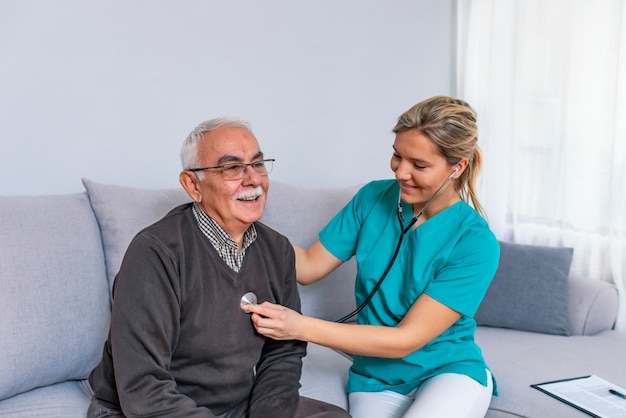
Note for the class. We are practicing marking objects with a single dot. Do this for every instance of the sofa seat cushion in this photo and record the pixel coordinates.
(62, 400)
(54, 298)
(519, 359)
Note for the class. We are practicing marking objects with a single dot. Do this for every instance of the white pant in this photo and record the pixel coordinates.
(447, 395)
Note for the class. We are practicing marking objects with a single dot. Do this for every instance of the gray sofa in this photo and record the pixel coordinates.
(59, 255)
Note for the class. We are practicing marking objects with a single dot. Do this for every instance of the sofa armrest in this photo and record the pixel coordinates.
(592, 306)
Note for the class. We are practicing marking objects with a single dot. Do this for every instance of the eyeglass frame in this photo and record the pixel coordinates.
(243, 172)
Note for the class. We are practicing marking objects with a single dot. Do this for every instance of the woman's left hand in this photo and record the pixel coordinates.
(276, 321)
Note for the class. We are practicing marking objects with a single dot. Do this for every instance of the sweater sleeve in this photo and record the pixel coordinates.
(275, 391)
(144, 330)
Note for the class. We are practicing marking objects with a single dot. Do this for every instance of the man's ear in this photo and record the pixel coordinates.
(189, 181)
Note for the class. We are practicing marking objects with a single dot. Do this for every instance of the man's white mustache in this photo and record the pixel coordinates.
(249, 194)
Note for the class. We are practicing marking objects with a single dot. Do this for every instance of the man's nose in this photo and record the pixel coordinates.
(250, 176)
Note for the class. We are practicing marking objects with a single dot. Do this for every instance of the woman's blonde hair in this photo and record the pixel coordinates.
(451, 124)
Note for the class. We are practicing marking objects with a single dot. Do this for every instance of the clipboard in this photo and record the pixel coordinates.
(589, 394)
(539, 387)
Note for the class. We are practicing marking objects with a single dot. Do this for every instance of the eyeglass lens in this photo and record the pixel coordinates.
(237, 171)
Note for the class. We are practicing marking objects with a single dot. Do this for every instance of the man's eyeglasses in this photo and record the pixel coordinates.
(236, 171)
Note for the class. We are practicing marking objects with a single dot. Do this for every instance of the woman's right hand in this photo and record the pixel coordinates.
(276, 321)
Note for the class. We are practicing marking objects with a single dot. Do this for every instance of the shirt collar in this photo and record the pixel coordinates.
(217, 235)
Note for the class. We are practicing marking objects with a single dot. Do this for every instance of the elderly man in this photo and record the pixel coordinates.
(179, 343)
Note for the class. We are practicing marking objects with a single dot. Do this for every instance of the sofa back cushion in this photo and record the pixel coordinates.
(296, 212)
(530, 290)
(300, 213)
(54, 295)
(123, 211)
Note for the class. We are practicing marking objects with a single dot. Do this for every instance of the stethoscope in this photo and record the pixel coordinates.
(251, 299)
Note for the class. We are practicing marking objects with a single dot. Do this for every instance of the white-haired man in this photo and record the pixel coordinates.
(179, 343)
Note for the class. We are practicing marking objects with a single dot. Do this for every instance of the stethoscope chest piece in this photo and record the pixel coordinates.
(248, 299)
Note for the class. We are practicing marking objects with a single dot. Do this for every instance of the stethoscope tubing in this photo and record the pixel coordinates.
(403, 232)
(380, 282)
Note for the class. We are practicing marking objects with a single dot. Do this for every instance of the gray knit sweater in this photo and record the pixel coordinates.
(179, 344)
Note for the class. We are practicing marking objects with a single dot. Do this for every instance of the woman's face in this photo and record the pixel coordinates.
(421, 170)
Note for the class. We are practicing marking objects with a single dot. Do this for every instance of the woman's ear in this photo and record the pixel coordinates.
(189, 181)
(460, 167)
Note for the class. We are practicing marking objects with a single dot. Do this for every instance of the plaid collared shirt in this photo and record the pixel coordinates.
(225, 246)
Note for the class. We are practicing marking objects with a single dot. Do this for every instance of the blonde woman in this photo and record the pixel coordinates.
(413, 343)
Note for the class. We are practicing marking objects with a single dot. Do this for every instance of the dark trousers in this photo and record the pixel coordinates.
(307, 408)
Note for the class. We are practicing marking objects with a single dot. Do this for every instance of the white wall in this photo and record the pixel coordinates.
(108, 90)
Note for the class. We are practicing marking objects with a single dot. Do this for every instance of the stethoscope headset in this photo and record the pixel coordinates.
(251, 298)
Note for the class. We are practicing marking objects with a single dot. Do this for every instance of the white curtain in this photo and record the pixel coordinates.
(548, 80)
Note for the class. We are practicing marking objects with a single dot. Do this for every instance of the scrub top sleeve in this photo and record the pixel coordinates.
(462, 282)
(341, 234)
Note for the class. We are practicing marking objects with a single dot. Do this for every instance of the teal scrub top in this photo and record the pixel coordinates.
(452, 257)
